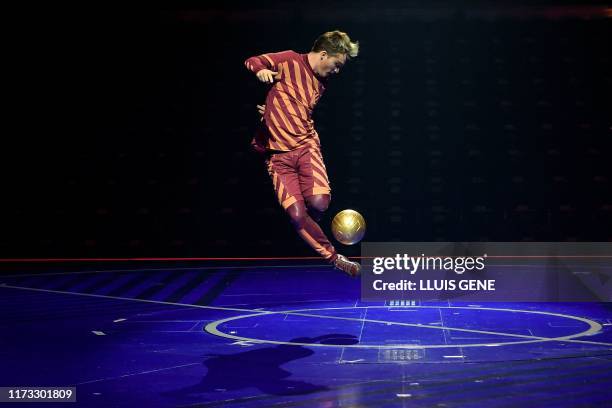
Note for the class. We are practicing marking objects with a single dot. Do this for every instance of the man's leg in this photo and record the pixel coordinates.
(317, 205)
(283, 171)
(314, 186)
(310, 231)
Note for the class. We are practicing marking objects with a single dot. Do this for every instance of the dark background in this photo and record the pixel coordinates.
(468, 123)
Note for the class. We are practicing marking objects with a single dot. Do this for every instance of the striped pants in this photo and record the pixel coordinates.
(302, 187)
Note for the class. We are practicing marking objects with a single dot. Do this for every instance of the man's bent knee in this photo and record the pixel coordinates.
(298, 213)
(319, 202)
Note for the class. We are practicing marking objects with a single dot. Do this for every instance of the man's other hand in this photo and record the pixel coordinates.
(261, 109)
(266, 76)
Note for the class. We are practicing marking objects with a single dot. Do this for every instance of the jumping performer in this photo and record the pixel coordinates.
(289, 140)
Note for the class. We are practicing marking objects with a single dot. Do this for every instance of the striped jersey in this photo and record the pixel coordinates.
(288, 123)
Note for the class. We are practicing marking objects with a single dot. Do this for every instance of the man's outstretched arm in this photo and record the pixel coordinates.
(265, 66)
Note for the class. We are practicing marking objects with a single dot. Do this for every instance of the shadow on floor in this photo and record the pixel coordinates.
(261, 369)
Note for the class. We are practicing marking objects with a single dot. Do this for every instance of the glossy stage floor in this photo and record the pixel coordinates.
(288, 334)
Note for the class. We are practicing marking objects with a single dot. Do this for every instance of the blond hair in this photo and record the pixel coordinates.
(336, 42)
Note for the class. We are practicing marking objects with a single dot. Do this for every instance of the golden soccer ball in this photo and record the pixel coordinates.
(348, 227)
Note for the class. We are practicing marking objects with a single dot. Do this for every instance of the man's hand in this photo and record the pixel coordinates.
(266, 76)
(261, 109)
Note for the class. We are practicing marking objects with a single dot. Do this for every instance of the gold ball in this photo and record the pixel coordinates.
(348, 227)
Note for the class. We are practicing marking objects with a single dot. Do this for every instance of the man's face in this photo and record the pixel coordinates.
(330, 64)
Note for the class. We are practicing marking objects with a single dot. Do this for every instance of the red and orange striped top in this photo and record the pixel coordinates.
(289, 103)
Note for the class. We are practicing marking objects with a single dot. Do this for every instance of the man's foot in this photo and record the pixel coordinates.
(349, 267)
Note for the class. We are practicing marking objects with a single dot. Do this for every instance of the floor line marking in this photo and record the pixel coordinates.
(163, 269)
(594, 326)
(232, 309)
(442, 325)
(362, 324)
(139, 373)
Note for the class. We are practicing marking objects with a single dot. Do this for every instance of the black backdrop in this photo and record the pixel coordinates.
(454, 124)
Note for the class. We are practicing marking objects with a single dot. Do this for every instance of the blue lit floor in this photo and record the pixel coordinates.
(291, 335)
